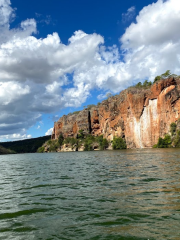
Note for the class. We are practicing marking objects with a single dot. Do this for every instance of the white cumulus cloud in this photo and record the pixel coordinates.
(152, 44)
(14, 136)
(49, 132)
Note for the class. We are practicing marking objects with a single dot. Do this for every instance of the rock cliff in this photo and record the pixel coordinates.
(138, 115)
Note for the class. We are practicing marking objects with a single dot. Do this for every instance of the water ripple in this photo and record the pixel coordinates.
(129, 194)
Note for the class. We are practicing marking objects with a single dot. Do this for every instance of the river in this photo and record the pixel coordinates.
(108, 195)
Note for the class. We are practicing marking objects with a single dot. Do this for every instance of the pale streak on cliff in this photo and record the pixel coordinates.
(140, 116)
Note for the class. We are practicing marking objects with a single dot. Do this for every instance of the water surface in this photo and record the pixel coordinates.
(128, 195)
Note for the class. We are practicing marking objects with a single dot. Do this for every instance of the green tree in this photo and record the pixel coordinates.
(160, 143)
(105, 144)
(88, 142)
(80, 134)
(166, 74)
(157, 78)
(54, 146)
(149, 83)
(99, 140)
(60, 139)
(163, 76)
(139, 85)
(173, 128)
(145, 84)
(164, 143)
(118, 143)
(167, 140)
(177, 139)
(88, 146)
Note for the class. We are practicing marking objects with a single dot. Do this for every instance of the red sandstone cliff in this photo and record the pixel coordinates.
(139, 115)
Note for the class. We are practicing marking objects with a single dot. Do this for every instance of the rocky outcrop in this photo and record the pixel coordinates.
(69, 125)
(138, 115)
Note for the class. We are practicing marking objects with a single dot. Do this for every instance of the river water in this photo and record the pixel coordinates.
(129, 194)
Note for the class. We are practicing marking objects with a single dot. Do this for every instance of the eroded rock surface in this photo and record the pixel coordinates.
(139, 115)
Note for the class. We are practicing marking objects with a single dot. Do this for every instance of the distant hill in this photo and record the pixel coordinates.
(5, 151)
(25, 146)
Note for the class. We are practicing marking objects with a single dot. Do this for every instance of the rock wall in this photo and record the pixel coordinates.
(139, 115)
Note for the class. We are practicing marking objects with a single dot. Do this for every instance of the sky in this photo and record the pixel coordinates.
(59, 56)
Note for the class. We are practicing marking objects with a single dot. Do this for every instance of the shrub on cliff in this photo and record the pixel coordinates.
(173, 128)
(88, 143)
(91, 141)
(164, 143)
(167, 141)
(60, 139)
(105, 144)
(88, 146)
(41, 149)
(71, 141)
(80, 134)
(176, 141)
(118, 143)
(54, 146)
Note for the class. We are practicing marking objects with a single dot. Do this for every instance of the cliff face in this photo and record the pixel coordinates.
(139, 115)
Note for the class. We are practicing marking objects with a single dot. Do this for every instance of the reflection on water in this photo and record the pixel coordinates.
(129, 194)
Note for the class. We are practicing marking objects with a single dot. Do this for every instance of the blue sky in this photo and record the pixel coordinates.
(67, 16)
(60, 55)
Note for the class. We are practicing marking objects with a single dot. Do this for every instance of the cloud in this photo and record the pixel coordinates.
(49, 132)
(14, 137)
(152, 44)
(6, 13)
(129, 14)
(44, 75)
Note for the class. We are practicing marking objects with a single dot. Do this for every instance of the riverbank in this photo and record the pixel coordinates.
(83, 142)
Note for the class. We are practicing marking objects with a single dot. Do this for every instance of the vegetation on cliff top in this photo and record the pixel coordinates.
(165, 75)
(147, 84)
